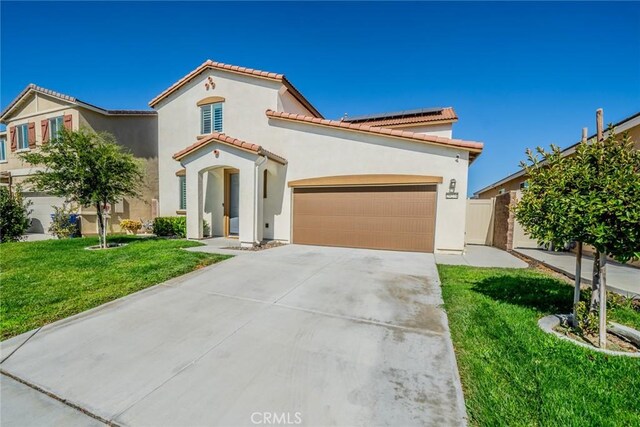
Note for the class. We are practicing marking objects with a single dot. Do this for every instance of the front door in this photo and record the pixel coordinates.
(234, 201)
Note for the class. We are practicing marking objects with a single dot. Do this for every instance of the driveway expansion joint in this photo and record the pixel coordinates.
(59, 399)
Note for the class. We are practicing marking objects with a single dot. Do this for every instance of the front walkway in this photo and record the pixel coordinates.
(332, 336)
(621, 279)
(482, 256)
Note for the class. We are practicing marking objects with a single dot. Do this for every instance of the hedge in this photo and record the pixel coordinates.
(170, 226)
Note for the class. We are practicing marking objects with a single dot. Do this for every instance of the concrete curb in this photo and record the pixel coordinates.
(548, 323)
(462, 408)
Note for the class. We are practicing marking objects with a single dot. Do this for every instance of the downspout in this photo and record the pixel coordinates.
(257, 197)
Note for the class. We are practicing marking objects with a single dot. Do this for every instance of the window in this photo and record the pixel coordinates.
(524, 184)
(3, 150)
(501, 191)
(55, 125)
(22, 134)
(264, 184)
(183, 192)
(211, 118)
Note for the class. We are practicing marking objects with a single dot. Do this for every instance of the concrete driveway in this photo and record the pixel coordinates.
(319, 336)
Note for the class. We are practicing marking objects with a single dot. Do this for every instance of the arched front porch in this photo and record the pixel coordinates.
(224, 188)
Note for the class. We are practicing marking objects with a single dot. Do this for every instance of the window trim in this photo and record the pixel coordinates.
(3, 150)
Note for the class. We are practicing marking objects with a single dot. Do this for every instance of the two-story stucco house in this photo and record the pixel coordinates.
(245, 152)
(36, 115)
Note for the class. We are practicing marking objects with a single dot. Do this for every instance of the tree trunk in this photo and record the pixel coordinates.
(104, 225)
(595, 282)
(603, 300)
(576, 290)
(100, 224)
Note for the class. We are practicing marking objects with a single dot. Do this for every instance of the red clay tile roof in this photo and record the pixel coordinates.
(472, 146)
(234, 142)
(32, 87)
(209, 64)
(425, 115)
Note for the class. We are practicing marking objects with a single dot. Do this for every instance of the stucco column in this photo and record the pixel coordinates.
(194, 204)
(247, 204)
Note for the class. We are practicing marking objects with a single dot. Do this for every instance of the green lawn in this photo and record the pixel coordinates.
(513, 373)
(41, 282)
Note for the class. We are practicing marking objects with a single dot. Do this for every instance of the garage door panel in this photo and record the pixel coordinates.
(397, 218)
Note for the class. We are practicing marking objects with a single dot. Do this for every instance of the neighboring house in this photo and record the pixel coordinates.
(36, 115)
(517, 181)
(245, 152)
(502, 228)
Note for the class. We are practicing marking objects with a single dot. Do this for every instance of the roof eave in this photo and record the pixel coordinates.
(471, 146)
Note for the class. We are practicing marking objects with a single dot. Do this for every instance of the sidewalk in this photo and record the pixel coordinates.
(482, 256)
(621, 279)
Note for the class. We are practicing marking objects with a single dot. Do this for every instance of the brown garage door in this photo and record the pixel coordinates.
(393, 217)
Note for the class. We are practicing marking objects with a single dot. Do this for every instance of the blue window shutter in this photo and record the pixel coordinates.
(217, 117)
(206, 119)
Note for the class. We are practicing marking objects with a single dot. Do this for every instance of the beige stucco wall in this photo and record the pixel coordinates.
(246, 100)
(512, 185)
(139, 135)
(311, 151)
(444, 130)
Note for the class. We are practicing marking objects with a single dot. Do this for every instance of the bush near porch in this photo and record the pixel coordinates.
(41, 282)
(170, 226)
(513, 373)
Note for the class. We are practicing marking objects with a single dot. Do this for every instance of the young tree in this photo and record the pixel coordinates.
(88, 168)
(14, 215)
(593, 197)
(608, 195)
(547, 209)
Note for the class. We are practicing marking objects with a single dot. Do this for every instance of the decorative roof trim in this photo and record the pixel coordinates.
(233, 142)
(471, 146)
(209, 64)
(209, 100)
(365, 180)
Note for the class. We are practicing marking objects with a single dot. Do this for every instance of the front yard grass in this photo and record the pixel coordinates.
(513, 373)
(41, 282)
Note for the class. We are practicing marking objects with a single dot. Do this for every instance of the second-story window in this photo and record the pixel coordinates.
(3, 150)
(55, 125)
(22, 134)
(211, 118)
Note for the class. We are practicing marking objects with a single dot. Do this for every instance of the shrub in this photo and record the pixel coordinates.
(14, 215)
(64, 222)
(588, 321)
(131, 225)
(170, 226)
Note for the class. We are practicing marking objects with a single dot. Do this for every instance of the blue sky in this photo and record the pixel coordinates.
(518, 74)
